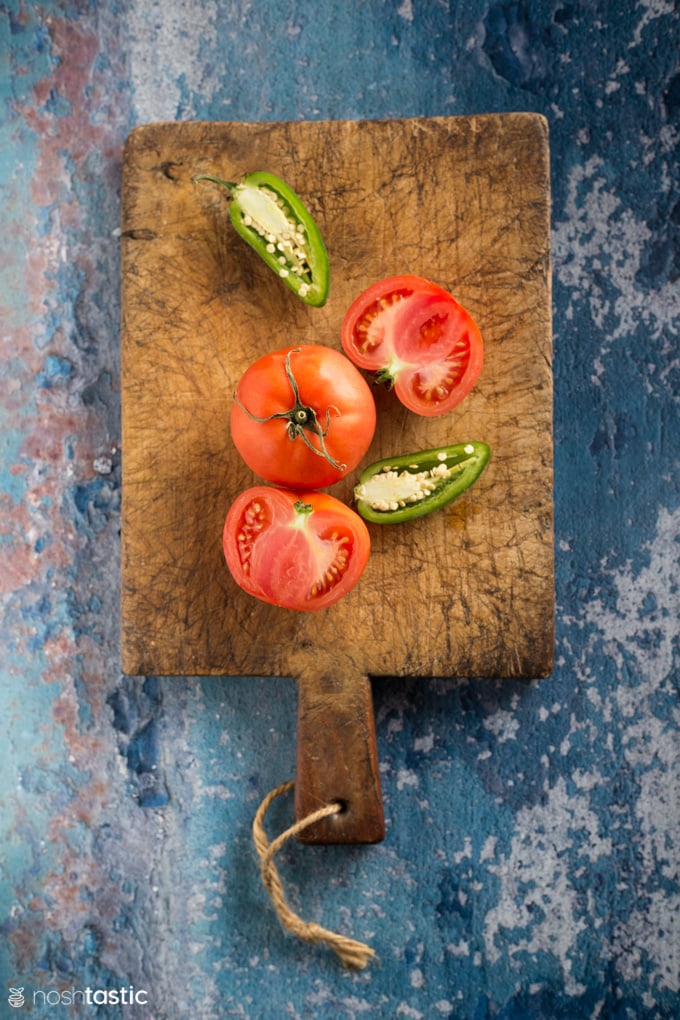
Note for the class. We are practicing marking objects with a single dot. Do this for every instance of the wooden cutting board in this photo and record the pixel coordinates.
(468, 591)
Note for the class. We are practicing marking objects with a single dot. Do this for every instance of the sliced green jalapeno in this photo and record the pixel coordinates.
(273, 220)
(401, 488)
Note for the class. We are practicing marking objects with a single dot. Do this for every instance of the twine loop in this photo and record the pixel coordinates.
(351, 953)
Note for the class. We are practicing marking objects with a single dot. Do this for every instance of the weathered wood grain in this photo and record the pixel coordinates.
(337, 757)
(463, 201)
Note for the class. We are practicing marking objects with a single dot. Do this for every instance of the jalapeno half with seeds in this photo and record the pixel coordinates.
(402, 488)
(273, 220)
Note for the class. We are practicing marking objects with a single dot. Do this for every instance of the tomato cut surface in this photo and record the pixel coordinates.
(416, 337)
(302, 551)
(303, 416)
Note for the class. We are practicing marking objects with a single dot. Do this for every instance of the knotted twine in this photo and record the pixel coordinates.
(352, 953)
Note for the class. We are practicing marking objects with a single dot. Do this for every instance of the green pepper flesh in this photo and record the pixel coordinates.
(412, 485)
(274, 221)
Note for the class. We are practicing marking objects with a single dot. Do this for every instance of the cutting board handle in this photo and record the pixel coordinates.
(337, 759)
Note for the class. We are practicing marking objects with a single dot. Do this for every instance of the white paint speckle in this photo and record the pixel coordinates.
(417, 978)
(406, 10)
(178, 32)
(465, 852)
(651, 9)
(489, 849)
(537, 899)
(406, 777)
(599, 235)
(503, 724)
(403, 1009)
(647, 604)
(424, 744)
(459, 949)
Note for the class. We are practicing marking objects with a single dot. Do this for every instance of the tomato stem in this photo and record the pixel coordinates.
(301, 418)
(385, 377)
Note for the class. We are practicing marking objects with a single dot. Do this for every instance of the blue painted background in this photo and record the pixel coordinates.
(530, 868)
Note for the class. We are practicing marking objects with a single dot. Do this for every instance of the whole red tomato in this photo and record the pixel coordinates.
(303, 416)
(416, 337)
(299, 550)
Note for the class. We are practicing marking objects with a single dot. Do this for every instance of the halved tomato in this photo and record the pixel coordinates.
(416, 337)
(299, 550)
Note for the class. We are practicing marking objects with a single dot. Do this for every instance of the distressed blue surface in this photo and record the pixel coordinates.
(530, 868)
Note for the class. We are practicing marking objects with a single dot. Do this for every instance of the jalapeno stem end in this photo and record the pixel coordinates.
(229, 185)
